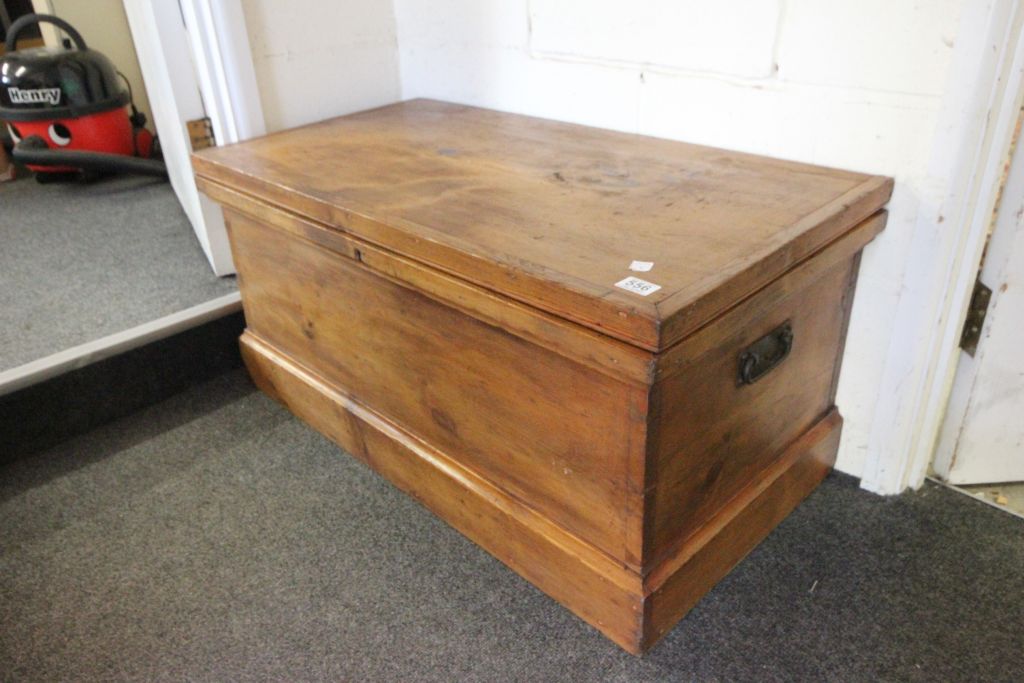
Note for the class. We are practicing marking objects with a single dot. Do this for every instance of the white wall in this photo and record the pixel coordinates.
(857, 85)
(316, 59)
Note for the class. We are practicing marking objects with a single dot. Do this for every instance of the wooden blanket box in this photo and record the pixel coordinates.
(608, 359)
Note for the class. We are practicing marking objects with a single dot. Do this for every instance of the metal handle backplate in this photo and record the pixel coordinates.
(766, 353)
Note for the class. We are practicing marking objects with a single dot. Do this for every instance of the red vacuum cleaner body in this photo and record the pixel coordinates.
(68, 110)
(109, 132)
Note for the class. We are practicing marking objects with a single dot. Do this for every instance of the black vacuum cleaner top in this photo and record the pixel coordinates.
(53, 83)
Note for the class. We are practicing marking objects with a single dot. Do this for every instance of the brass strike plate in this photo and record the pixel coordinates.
(200, 132)
(975, 318)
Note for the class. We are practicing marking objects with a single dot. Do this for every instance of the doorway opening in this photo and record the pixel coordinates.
(94, 258)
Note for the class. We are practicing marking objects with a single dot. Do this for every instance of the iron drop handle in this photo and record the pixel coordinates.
(765, 354)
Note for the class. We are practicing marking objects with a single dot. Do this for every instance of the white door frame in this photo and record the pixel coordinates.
(223, 61)
(996, 269)
(979, 110)
(202, 69)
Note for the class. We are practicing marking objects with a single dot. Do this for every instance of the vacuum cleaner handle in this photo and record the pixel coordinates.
(21, 22)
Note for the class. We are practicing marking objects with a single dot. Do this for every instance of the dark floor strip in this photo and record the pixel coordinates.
(44, 414)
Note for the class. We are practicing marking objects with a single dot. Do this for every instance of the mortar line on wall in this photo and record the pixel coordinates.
(758, 83)
(777, 46)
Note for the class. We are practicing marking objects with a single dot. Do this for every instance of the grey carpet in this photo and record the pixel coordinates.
(81, 261)
(215, 538)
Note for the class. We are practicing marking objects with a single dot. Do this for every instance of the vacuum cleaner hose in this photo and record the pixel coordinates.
(35, 152)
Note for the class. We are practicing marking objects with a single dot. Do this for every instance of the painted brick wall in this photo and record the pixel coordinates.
(316, 59)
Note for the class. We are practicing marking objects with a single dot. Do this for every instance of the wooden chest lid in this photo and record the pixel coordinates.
(554, 214)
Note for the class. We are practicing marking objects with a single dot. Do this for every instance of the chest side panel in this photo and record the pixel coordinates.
(713, 435)
(554, 433)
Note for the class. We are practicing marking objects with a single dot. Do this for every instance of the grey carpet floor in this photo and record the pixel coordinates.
(81, 261)
(215, 538)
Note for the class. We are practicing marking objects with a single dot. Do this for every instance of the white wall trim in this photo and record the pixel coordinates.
(976, 125)
(227, 79)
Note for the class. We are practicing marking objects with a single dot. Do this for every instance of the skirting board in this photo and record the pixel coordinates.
(632, 610)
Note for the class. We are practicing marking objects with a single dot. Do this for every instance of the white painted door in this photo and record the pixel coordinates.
(183, 66)
(982, 439)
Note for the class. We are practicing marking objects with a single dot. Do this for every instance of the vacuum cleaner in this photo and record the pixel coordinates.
(67, 110)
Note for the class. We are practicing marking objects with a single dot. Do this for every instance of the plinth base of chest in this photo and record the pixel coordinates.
(631, 609)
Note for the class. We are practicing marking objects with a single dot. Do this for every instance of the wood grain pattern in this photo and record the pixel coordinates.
(577, 343)
(632, 611)
(589, 583)
(555, 433)
(714, 436)
(679, 582)
(429, 286)
(484, 195)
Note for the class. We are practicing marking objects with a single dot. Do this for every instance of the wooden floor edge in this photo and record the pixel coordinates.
(683, 579)
(574, 573)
